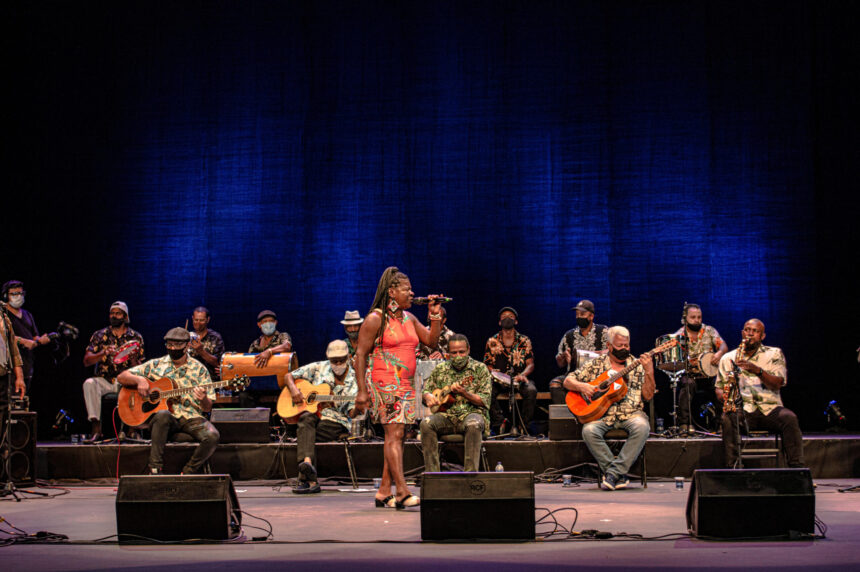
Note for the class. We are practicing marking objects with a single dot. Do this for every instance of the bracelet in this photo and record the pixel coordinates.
(434, 317)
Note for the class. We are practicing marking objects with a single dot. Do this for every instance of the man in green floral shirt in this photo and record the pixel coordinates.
(463, 385)
(186, 413)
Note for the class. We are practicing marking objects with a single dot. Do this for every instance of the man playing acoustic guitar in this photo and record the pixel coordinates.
(185, 414)
(625, 414)
(458, 392)
(332, 422)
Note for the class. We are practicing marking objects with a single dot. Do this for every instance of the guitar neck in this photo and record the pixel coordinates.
(206, 386)
(636, 363)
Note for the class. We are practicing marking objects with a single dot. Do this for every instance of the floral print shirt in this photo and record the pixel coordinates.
(631, 404)
(105, 337)
(191, 374)
(512, 360)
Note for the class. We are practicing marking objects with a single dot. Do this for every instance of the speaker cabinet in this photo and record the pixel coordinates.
(177, 507)
(22, 450)
(467, 506)
(242, 425)
(750, 503)
(563, 426)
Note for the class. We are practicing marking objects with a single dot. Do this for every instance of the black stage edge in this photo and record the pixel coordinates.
(828, 456)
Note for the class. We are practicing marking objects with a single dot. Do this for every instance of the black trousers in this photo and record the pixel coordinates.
(689, 385)
(527, 407)
(557, 390)
(311, 429)
(780, 420)
(165, 425)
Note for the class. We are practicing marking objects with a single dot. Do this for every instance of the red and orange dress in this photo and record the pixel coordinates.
(392, 369)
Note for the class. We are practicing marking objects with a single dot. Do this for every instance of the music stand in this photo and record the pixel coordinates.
(516, 416)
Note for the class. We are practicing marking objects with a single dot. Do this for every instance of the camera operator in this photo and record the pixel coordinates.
(24, 326)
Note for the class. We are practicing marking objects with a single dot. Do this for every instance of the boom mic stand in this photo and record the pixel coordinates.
(516, 416)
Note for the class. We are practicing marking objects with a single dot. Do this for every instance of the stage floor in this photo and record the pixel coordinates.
(335, 530)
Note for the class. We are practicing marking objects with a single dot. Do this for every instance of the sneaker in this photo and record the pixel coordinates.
(306, 488)
(307, 472)
(622, 482)
(153, 471)
(609, 481)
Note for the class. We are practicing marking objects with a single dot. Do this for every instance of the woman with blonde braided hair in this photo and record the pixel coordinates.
(385, 368)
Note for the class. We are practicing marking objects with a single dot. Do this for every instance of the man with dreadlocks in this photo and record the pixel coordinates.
(386, 357)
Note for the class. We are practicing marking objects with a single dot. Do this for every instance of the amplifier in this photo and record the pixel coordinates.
(242, 425)
(22, 449)
(563, 425)
(474, 506)
(750, 503)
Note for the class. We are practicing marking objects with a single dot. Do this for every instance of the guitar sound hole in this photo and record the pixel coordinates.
(155, 397)
(312, 397)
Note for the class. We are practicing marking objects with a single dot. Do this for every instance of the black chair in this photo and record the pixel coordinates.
(750, 448)
(460, 438)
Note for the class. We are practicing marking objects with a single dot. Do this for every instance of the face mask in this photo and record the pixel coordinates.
(507, 323)
(16, 300)
(620, 354)
(116, 322)
(268, 328)
(582, 323)
(459, 362)
(694, 327)
(339, 369)
(176, 355)
(352, 335)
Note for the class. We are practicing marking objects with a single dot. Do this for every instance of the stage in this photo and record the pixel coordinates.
(827, 455)
(335, 529)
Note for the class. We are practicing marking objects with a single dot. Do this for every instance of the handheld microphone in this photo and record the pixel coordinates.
(423, 300)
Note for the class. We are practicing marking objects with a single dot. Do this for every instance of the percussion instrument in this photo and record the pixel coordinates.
(585, 356)
(671, 358)
(269, 377)
(125, 351)
(705, 364)
(502, 378)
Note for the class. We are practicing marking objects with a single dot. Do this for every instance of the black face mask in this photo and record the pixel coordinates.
(582, 323)
(508, 323)
(620, 354)
(116, 322)
(176, 355)
(694, 327)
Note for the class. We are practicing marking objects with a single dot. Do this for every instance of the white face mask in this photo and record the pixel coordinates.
(339, 369)
(268, 328)
(16, 300)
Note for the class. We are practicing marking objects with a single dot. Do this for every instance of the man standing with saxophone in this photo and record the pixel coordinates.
(760, 372)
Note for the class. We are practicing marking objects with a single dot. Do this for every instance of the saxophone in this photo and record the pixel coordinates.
(731, 391)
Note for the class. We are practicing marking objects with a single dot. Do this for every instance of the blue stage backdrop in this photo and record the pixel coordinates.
(251, 155)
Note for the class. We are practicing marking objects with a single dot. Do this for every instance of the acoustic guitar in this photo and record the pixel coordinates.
(609, 387)
(135, 409)
(316, 398)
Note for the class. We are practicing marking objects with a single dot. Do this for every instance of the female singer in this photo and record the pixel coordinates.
(389, 335)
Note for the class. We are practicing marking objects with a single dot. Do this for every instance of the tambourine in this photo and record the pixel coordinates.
(502, 378)
(125, 351)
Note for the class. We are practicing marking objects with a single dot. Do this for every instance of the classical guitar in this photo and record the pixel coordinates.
(135, 409)
(609, 387)
(316, 397)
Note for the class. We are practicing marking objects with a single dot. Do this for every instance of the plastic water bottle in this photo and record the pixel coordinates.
(499, 467)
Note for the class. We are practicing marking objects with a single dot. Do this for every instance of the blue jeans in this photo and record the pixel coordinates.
(637, 428)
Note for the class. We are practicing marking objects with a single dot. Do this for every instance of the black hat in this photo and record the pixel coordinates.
(509, 309)
(265, 313)
(177, 334)
(586, 305)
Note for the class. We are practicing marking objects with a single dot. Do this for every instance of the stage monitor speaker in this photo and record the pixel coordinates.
(750, 503)
(563, 425)
(22, 449)
(177, 507)
(242, 425)
(482, 506)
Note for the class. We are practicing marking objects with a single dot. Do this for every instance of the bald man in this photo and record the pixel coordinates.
(761, 372)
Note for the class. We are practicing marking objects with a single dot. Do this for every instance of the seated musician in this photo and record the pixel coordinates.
(100, 352)
(509, 352)
(207, 345)
(702, 340)
(333, 422)
(352, 321)
(186, 414)
(761, 372)
(270, 342)
(625, 414)
(586, 336)
(423, 352)
(463, 385)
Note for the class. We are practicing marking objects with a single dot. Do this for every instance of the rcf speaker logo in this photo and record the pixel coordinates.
(477, 488)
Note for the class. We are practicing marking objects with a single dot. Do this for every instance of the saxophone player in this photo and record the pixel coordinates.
(761, 373)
